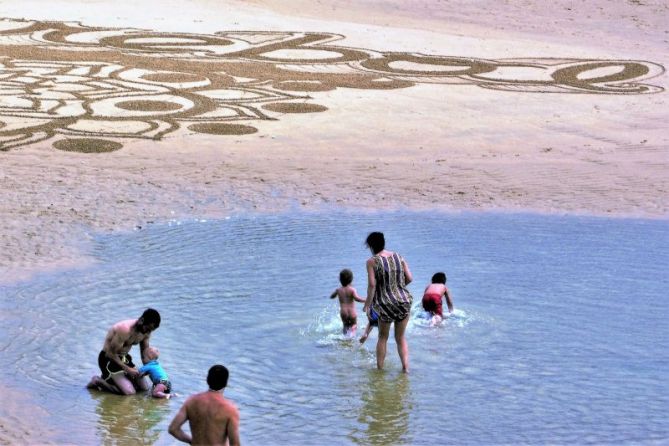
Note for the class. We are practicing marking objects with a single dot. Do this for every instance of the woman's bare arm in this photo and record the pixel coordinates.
(371, 284)
(408, 277)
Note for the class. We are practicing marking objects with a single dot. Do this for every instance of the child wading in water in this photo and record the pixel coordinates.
(432, 298)
(347, 295)
(161, 382)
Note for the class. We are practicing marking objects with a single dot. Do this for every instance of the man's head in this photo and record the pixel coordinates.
(148, 321)
(217, 378)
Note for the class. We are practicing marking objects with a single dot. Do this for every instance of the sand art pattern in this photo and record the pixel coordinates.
(90, 87)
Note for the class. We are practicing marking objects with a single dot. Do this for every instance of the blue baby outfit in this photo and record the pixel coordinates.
(156, 373)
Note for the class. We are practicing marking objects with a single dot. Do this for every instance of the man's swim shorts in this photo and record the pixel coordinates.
(109, 367)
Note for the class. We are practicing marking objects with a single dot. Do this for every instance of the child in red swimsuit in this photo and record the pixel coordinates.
(432, 298)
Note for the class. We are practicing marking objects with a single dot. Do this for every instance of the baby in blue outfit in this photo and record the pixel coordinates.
(162, 387)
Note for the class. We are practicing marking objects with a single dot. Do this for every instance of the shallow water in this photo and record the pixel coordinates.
(560, 334)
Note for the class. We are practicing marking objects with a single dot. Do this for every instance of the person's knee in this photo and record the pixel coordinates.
(128, 390)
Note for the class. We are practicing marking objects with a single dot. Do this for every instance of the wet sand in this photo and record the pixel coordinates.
(423, 144)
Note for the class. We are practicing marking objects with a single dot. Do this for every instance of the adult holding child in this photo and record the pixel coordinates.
(388, 275)
(119, 373)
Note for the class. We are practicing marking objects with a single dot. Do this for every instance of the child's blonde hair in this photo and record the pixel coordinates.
(152, 353)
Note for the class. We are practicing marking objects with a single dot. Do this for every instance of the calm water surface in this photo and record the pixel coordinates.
(560, 334)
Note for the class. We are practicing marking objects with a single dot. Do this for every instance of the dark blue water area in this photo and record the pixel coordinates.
(560, 334)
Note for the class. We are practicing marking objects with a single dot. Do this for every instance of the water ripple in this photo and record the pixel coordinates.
(557, 321)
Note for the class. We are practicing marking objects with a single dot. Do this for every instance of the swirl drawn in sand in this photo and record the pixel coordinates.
(95, 86)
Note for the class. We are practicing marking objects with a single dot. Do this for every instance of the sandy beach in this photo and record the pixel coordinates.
(117, 115)
(367, 105)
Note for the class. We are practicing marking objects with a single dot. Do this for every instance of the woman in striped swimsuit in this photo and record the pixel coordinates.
(387, 277)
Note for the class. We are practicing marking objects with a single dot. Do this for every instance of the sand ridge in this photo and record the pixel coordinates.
(58, 76)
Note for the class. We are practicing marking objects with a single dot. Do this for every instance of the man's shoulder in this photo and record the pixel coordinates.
(210, 397)
(198, 398)
(124, 326)
(230, 407)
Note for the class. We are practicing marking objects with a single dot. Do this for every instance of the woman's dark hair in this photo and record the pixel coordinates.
(439, 278)
(376, 242)
(151, 316)
(217, 378)
(345, 277)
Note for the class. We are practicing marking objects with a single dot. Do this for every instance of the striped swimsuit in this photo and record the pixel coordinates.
(392, 300)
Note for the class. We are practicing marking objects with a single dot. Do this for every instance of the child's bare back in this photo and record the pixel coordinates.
(347, 296)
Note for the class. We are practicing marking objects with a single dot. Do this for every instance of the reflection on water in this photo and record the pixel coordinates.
(385, 410)
(558, 320)
(124, 417)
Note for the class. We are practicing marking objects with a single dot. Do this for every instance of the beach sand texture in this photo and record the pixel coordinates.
(116, 115)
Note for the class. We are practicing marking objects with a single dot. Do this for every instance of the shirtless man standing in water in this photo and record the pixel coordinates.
(119, 374)
(213, 419)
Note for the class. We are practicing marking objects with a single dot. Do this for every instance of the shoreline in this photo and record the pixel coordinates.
(76, 237)
(449, 144)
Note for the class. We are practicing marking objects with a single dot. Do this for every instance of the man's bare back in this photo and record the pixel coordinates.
(213, 419)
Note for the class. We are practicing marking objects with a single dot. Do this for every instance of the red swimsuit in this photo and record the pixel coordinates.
(432, 303)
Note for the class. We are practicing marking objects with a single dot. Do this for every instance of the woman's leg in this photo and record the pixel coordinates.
(384, 333)
(402, 346)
